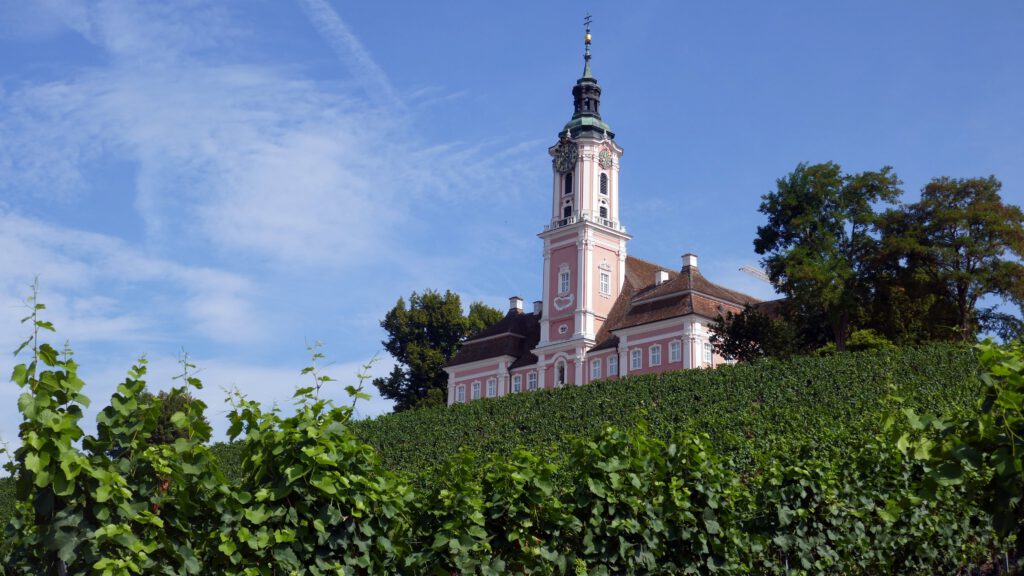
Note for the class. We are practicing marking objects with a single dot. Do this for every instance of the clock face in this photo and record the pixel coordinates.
(566, 156)
(605, 159)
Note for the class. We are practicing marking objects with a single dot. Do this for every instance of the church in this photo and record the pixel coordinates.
(602, 314)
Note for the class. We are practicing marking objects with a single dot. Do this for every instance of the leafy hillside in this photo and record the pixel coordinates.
(751, 412)
(769, 469)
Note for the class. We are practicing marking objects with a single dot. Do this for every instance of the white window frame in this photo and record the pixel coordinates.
(561, 373)
(636, 359)
(492, 387)
(517, 383)
(531, 381)
(709, 354)
(563, 282)
(613, 365)
(475, 394)
(595, 368)
(675, 351)
(606, 283)
(460, 393)
(654, 355)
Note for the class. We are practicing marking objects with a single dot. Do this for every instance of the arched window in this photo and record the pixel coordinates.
(604, 212)
(567, 189)
(560, 373)
(567, 211)
(604, 183)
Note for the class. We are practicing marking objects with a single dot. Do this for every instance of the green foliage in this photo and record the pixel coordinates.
(423, 337)
(647, 507)
(860, 341)
(959, 243)
(751, 335)
(480, 317)
(984, 453)
(312, 499)
(754, 412)
(166, 432)
(120, 505)
(804, 467)
(820, 240)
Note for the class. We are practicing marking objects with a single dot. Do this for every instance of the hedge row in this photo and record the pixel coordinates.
(753, 413)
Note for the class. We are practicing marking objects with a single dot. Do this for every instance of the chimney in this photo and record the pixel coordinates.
(660, 278)
(538, 307)
(515, 304)
(689, 259)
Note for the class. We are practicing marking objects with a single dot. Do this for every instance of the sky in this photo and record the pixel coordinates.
(236, 180)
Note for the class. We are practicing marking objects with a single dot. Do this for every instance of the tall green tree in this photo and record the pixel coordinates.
(423, 336)
(964, 243)
(480, 317)
(820, 238)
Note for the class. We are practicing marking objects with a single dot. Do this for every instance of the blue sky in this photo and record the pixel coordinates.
(236, 179)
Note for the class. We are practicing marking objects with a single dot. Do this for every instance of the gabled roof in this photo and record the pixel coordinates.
(685, 292)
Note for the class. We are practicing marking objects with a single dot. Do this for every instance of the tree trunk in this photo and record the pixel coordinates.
(839, 331)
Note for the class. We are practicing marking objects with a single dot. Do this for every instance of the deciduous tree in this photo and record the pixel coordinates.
(820, 236)
(964, 243)
(751, 334)
(423, 336)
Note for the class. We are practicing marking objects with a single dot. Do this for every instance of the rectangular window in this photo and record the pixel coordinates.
(635, 359)
(655, 355)
(708, 353)
(531, 381)
(606, 283)
(460, 393)
(675, 351)
(613, 365)
(595, 369)
(476, 391)
(492, 388)
(517, 383)
(563, 282)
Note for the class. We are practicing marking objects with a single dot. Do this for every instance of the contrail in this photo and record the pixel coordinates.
(350, 50)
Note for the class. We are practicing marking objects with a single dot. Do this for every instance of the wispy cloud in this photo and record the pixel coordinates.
(350, 51)
(99, 288)
(253, 158)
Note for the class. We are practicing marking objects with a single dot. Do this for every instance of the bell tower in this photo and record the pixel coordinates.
(584, 243)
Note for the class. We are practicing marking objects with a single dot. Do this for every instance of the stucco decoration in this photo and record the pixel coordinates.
(563, 302)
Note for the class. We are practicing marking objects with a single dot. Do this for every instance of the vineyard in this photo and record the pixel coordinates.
(753, 413)
(901, 462)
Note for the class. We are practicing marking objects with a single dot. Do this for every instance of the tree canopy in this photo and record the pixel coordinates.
(820, 237)
(963, 243)
(849, 258)
(423, 336)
